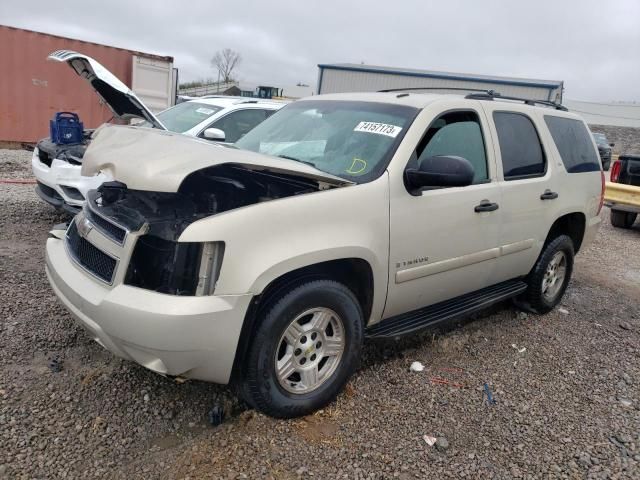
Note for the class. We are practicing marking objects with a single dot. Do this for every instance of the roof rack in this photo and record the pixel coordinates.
(492, 95)
(484, 94)
(462, 89)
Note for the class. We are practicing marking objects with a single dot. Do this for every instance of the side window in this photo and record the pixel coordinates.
(238, 123)
(458, 134)
(522, 154)
(574, 144)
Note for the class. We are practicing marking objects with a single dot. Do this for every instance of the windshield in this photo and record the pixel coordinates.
(352, 140)
(600, 138)
(184, 116)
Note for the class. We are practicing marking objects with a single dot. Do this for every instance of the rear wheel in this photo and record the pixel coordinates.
(551, 274)
(621, 219)
(305, 348)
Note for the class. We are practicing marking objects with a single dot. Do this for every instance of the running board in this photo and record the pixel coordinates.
(449, 309)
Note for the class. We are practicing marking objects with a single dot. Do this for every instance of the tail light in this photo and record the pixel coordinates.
(615, 171)
(602, 186)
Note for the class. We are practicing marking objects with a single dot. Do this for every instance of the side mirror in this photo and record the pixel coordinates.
(612, 144)
(441, 171)
(214, 134)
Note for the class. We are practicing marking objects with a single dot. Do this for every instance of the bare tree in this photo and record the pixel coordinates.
(225, 61)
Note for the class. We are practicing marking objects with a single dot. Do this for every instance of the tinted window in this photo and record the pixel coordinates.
(520, 148)
(239, 123)
(457, 134)
(574, 144)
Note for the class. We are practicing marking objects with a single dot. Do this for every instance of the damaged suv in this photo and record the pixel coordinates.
(341, 217)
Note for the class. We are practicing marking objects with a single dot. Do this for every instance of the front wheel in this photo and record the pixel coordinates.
(621, 219)
(550, 275)
(306, 347)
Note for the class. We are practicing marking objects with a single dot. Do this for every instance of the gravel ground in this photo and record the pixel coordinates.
(567, 396)
(626, 139)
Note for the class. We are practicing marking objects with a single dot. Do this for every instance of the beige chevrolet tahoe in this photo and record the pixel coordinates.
(340, 218)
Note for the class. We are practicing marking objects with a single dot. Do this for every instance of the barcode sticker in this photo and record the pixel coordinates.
(378, 128)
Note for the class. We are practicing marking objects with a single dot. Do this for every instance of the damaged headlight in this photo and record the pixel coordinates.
(176, 268)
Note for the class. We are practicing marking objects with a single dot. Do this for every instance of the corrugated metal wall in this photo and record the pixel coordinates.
(33, 89)
(338, 81)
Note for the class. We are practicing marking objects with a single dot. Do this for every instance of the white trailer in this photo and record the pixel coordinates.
(350, 77)
(153, 81)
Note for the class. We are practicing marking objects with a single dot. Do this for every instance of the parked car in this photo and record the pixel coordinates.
(343, 217)
(622, 194)
(215, 118)
(604, 149)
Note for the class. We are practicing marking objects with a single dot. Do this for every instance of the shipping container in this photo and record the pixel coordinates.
(33, 89)
(349, 77)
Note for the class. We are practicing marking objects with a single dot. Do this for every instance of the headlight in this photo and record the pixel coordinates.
(176, 268)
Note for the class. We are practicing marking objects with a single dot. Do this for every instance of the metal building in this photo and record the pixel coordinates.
(350, 77)
(33, 89)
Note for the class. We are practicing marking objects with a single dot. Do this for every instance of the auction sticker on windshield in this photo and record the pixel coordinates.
(379, 128)
(205, 111)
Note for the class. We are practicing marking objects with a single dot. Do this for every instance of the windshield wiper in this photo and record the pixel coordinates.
(297, 160)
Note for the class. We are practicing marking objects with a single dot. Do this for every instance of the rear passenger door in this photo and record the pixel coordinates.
(529, 190)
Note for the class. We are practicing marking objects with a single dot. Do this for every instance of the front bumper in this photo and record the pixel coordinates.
(65, 180)
(194, 337)
(53, 198)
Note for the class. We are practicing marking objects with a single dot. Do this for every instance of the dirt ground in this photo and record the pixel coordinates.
(566, 386)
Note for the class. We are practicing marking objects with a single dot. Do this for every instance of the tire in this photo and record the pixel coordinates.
(621, 219)
(542, 295)
(290, 333)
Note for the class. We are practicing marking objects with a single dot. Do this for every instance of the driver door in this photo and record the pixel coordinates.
(440, 245)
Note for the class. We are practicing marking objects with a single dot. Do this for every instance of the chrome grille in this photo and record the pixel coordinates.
(110, 229)
(89, 257)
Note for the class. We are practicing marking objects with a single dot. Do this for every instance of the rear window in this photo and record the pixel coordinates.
(520, 148)
(574, 144)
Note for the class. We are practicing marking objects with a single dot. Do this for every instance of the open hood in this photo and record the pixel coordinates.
(120, 98)
(159, 161)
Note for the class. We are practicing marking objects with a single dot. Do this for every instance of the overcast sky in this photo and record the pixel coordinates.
(594, 46)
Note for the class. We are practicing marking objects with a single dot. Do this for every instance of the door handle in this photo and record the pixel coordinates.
(548, 195)
(486, 206)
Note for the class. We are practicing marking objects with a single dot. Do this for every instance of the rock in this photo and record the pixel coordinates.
(584, 459)
(146, 397)
(625, 325)
(416, 367)
(563, 311)
(625, 403)
(624, 438)
(442, 443)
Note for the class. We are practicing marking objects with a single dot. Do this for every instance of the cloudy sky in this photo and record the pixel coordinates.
(594, 46)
